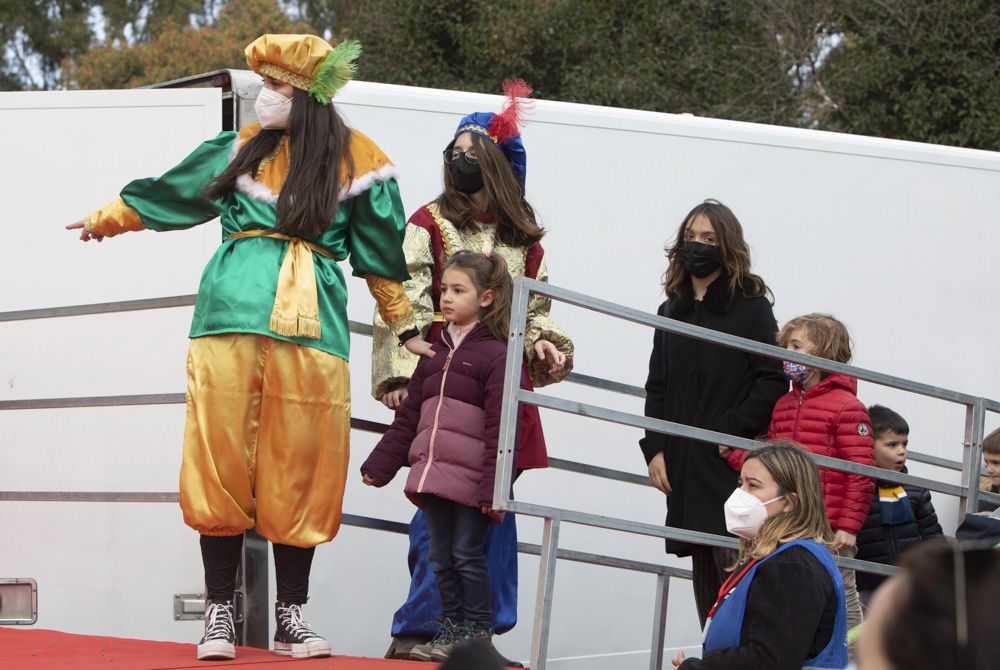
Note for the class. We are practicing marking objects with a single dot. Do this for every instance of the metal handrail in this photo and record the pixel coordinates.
(356, 327)
(513, 396)
(548, 550)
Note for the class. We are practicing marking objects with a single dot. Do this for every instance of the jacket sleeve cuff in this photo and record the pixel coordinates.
(393, 305)
(113, 219)
(650, 448)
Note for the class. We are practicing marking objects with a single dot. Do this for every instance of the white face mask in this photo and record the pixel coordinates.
(745, 513)
(272, 109)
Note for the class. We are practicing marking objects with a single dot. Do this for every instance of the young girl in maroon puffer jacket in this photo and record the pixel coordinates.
(447, 431)
(822, 413)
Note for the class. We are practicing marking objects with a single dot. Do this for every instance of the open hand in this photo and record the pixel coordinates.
(678, 659)
(85, 235)
(546, 351)
(419, 346)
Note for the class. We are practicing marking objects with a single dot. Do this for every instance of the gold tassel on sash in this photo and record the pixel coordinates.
(296, 305)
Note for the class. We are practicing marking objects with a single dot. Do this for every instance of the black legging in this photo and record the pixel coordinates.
(221, 557)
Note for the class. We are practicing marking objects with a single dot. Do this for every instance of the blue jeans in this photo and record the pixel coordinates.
(457, 552)
(423, 605)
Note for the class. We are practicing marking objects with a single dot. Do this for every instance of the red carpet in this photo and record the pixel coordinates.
(52, 650)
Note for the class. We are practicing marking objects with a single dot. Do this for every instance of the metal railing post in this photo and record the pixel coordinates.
(972, 456)
(543, 597)
(506, 443)
(659, 622)
(253, 630)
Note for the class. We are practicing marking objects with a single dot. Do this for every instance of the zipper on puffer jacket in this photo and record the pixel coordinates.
(798, 411)
(437, 416)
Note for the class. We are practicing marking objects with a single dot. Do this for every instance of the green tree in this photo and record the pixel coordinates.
(38, 35)
(180, 51)
(926, 71)
(709, 57)
(133, 21)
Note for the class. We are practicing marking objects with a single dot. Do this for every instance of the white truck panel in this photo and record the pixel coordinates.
(895, 238)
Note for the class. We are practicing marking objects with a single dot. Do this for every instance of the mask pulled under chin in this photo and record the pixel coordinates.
(745, 513)
(273, 109)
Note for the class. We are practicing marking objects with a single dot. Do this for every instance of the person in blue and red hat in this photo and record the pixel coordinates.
(482, 208)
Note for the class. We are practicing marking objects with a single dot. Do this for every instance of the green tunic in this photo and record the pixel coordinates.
(238, 285)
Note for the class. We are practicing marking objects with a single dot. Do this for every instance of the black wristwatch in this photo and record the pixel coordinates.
(408, 334)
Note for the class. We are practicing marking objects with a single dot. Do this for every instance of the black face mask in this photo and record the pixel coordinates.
(700, 259)
(467, 177)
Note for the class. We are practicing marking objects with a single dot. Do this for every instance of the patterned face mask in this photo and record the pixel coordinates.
(797, 372)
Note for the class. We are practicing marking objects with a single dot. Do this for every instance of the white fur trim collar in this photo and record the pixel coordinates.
(253, 188)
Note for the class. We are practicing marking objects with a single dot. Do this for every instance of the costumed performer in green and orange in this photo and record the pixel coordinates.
(266, 440)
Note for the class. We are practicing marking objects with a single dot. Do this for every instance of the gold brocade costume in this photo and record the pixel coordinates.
(392, 365)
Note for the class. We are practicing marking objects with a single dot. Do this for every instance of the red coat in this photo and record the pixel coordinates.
(829, 420)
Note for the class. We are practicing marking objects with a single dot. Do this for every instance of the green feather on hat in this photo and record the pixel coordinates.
(337, 69)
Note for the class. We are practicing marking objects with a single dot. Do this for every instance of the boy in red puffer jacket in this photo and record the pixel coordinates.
(822, 413)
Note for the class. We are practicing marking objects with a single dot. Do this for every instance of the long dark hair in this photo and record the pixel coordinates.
(319, 152)
(733, 252)
(488, 273)
(515, 218)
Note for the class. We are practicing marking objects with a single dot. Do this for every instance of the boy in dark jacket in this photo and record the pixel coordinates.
(901, 514)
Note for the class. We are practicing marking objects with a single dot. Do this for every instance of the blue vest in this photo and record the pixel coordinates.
(725, 627)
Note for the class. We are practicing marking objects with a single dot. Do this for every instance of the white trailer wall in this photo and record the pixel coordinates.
(897, 239)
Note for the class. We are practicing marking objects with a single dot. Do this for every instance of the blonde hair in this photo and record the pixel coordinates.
(991, 443)
(829, 335)
(798, 480)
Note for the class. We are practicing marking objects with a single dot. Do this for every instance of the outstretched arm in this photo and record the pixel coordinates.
(173, 201)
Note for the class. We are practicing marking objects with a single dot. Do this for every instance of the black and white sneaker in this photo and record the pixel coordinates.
(293, 636)
(219, 641)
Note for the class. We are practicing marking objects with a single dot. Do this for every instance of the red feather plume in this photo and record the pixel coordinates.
(507, 123)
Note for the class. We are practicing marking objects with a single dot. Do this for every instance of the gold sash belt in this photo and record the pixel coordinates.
(296, 305)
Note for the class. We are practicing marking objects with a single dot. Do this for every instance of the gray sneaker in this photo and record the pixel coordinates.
(465, 633)
(402, 645)
(442, 643)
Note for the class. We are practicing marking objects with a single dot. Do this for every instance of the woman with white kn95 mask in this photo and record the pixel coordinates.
(783, 605)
